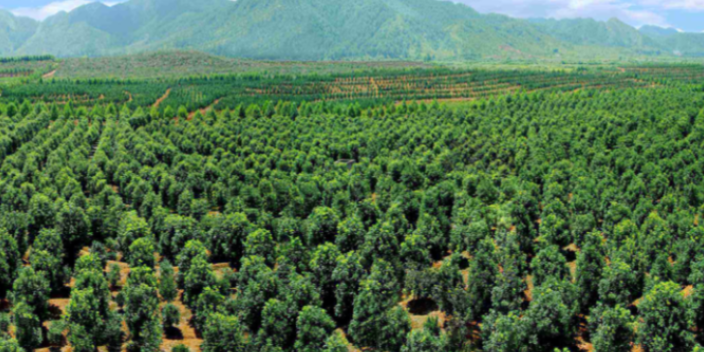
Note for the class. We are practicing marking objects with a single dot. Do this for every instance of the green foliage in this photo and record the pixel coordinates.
(313, 326)
(223, 334)
(9, 262)
(167, 281)
(170, 316)
(32, 289)
(664, 323)
(615, 329)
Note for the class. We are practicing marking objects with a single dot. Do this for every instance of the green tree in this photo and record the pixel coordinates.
(313, 326)
(170, 316)
(615, 330)
(28, 326)
(590, 264)
(223, 333)
(549, 262)
(664, 325)
(9, 261)
(32, 289)
(141, 253)
(167, 281)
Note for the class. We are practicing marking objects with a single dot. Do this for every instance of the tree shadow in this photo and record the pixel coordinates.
(173, 333)
(422, 306)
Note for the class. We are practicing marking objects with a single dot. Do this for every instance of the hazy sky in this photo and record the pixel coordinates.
(686, 15)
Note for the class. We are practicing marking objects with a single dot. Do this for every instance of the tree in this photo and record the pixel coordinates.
(141, 253)
(74, 226)
(335, 343)
(28, 326)
(549, 262)
(223, 333)
(429, 339)
(141, 309)
(504, 333)
(170, 316)
(194, 249)
(483, 271)
(167, 281)
(322, 265)
(227, 236)
(590, 264)
(549, 317)
(50, 267)
(32, 289)
(313, 326)
(9, 261)
(199, 276)
(322, 226)
(278, 326)
(618, 284)
(415, 252)
(664, 325)
(373, 309)
(131, 228)
(10, 345)
(261, 243)
(347, 276)
(615, 329)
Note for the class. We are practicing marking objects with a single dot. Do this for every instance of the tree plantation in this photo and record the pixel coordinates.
(563, 214)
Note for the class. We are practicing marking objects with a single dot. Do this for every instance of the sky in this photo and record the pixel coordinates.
(685, 15)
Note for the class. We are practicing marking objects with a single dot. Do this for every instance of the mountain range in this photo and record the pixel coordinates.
(331, 30)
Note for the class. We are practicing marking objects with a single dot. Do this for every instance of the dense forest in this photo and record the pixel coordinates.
(561, 216)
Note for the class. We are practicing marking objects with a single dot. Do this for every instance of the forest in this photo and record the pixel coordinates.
(449, 210)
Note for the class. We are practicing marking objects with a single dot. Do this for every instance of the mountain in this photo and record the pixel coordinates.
(14, 31)
(330, 30)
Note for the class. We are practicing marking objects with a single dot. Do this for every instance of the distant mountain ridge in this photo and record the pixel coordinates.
(330, 30)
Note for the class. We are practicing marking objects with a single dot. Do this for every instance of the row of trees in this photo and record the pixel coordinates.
(521, 214)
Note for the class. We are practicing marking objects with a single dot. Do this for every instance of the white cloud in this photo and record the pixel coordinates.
(41, 13)
(633, 12)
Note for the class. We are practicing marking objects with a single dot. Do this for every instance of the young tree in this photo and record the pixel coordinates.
(199, 276)
(549, 317)
(223, 333)
(322, 265)
(504, 333)
(590, 264)
(32, 289)
(167, 281)
(483, 271)
(261, 243)
(615, 329)
(549, 262)
(322, 226)
(313, 326)
(170, 316)
(142, 309)
(9, 261)
(47, 256)
(429, 339)
(141, 253)
(28, 326)
(664, 325)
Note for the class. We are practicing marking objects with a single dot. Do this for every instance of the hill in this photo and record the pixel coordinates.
(329, 30)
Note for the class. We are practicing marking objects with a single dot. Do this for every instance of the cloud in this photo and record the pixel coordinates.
(634, 12)
(41, 13)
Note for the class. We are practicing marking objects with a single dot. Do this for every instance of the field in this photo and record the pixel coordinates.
(350, 206)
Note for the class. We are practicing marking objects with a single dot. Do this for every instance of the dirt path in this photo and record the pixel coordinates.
(160, 100)
(203, 110)
(50, 74)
